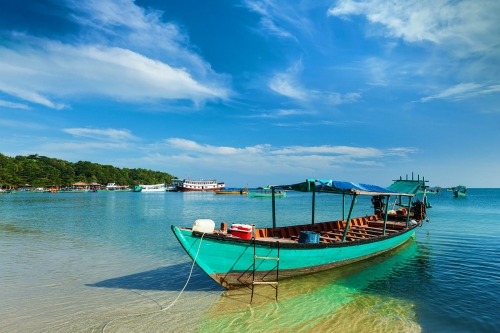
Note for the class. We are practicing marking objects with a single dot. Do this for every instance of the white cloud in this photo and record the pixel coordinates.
(185, 155)
(293, 112)
(129, 54)
(281, 113)
(470, 25)
(332, 150)
(286, 83)
(283, 84)
(270, 26)
(14, 105)
(463, 91)
(277, 18)
(106, 134)
(192, 147)
(189, 146)
(27, 94)
(401, 151)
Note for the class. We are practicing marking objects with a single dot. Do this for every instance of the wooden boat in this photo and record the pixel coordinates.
(243, 191)
(201, 185)
(266, 192)
(246, 254)
(460, 191)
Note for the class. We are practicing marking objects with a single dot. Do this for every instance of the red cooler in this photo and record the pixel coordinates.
(241, 230)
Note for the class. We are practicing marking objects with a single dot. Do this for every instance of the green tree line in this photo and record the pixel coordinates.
(42, 171)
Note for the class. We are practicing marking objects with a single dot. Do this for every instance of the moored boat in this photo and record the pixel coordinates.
(460, 191)
(173, 186)
(9, 191)
(150, 188)
(112, 187)
(246, 254)
(241, 191)
(434, 190)
(267, 192)
(188, 185)
(73, 190)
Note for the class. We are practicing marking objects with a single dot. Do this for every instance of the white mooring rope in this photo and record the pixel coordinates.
(168, 307)
(190, 273)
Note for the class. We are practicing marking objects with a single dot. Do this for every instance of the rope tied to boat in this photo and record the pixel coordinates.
(168, 307)
(189, 277)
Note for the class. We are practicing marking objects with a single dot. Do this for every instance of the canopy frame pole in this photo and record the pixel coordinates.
(313, 204)
(273, 192)
(344, 236)
(343, 206)
(408, 213)
(386, 213)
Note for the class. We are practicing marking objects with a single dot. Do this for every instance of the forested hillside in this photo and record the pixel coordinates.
(42, 171)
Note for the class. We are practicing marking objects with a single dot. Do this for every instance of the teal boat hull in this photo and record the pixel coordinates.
(229, 260)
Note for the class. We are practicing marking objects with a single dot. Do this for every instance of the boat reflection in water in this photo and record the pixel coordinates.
(376, 294)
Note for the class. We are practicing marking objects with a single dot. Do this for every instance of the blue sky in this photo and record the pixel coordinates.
(257, 92)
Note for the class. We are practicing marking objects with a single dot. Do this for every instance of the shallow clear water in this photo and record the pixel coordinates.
(108, 262)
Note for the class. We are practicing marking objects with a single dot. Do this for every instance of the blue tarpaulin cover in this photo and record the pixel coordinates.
(342, 185)
(336, 186)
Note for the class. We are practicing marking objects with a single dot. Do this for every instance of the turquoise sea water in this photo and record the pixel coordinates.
(108, 262)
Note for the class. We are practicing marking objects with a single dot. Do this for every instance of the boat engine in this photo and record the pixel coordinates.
(419, 210)
(378, 205)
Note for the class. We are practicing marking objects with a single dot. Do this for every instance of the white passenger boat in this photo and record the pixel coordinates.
(150, 188)
(188, 185)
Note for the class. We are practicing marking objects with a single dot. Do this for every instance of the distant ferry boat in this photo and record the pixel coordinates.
(201, 185)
